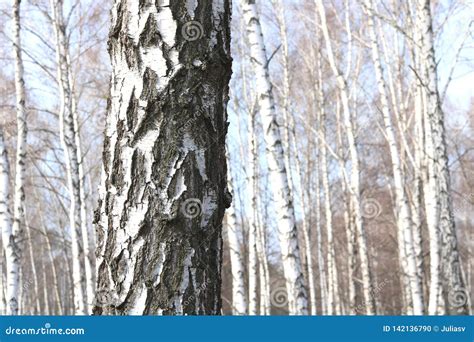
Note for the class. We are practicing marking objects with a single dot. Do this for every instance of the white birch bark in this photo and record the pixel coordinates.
(403, 209)
(19, 194)
(67, 132)
(287, 231)
(355, 172)
(333, 284)
(286, 90)
(264, 279)
(3, 298)
(45, 290)
(37, 304)
(239, 300)
(8, 239)
(253, 233)
(451, 274)
(163, 192)
(49, 251)
(86, 240)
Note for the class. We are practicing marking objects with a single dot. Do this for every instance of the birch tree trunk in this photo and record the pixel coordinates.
(454, 293)
(287, 232)
(163, 193)
(37, 307)
(49, 250)
(253, 232)
(9, 240)
(264, 273)
(67, 132)
(19, 194)
(239, 300)
(403, 209)
(355, 169)
(89, 277)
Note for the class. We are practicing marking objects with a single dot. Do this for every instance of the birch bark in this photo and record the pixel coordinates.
(354, 189)
(451, 274)
(67, 132)
(403, 209)
(287, 231)
(19, 194)
(10, 244)
(239, 300)
(163, 190)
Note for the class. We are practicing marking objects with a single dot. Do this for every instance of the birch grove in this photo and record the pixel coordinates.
(236, 158)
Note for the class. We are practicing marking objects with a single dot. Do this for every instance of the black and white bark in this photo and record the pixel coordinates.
(9, 240)
(68, 137)
(453, 292)
(287, 230)
(19, 192)
(234, 235)
(163, 190)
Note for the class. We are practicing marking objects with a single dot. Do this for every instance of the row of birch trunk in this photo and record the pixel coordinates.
(420, 185)
(19, 248)
(285, 215)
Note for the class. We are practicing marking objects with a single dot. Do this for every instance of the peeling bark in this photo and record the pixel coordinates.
(163, 190)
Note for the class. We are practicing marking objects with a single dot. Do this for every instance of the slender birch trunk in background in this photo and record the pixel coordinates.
(10, 244)
(252, 269)
(89, 277)
(355, 169)
(45, 288)
(67, 132)
(163, 194)
(285, 91)
(253, 233)
(3, 295)
(19, 194)
(49, 250)
(287, 231)
(404, 220)
(289, 146)
(453, 291)
(69, 92)
(264, 273)
(239, 300)
(333, 283)
(37, 307)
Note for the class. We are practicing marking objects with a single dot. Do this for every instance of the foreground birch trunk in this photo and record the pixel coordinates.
(454, 293)
(355, 169)
(67, 132)
(287, 232)
(9, 240)
(163, 190)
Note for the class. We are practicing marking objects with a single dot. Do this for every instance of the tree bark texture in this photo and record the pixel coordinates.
(163, 191)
